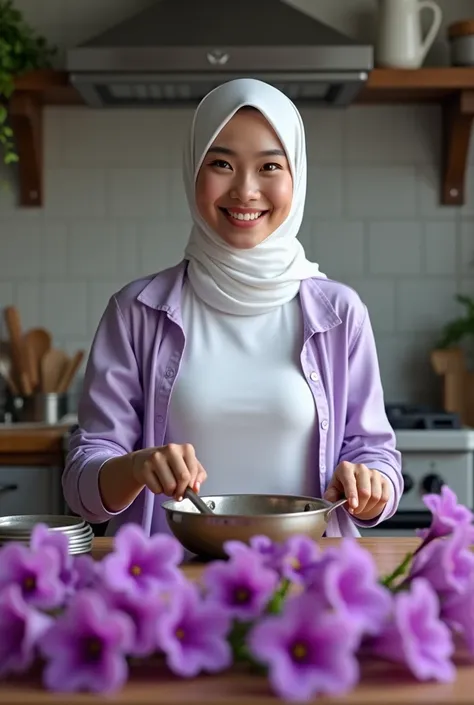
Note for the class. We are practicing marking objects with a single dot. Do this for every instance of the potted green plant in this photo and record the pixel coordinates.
(21, 50)
(461, 328)
(449, 361)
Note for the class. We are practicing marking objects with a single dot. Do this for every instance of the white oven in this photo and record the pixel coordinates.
(430, 459)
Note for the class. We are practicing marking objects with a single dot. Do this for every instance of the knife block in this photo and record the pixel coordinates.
(458, 382)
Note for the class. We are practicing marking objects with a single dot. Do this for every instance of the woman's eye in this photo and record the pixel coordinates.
(221, 164)
(271, 167)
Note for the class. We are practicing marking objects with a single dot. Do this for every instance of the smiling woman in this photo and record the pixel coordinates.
(239, 192)
(244, 367)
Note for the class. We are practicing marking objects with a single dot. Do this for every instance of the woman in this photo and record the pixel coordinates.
(243, 367)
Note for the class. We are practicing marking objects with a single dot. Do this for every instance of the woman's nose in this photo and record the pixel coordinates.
(245, 188)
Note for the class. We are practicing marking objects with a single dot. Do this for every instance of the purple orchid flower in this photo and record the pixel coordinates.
(416, 636)
(299, 553)
(243, 585)
(85, 649)
(289, 559)
(42, 540)
(142, 563)
(447, 515)
(36, 574)
(21, 627)
(143, 614)
(457, 611)
(447, 564)
(85, 572)
(262, 546)
(192, 632)
(306, 656)
(346, 579)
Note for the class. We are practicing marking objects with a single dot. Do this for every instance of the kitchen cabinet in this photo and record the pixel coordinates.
(31, 465)
(30, 490)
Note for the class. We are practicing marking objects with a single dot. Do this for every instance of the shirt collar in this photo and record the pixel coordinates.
(163, 293)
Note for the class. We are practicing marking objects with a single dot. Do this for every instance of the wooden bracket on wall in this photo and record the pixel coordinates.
(26, 118)
(451, 87)
(458, 117)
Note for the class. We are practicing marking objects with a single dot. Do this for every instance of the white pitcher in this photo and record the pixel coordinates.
(400, 43)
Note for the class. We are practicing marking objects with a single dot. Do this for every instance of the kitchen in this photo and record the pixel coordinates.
(113, 209)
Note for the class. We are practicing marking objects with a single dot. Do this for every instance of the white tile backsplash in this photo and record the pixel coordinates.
(115, 207)
(115, 210)
(325, 192)
(340, 247)
(381, 191)
(440, 248)
(379, 297)
(75, 192)
(64, 308)
(93, 249)
(422, 305)
(395, 247)
(467, 246)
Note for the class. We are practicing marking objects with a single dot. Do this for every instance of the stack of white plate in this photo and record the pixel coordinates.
(18, 528)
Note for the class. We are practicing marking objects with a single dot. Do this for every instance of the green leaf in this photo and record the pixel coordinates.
(21, 50)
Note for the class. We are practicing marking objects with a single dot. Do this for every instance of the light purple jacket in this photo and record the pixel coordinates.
(134, 361)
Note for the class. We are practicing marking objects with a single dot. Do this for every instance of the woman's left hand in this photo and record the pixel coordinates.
(367, 491)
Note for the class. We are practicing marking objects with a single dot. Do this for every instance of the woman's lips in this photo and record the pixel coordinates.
(242, 217)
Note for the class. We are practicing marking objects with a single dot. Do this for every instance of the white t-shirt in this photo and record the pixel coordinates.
(241, 399)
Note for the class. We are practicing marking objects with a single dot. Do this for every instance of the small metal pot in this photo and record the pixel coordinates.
(46, 408)
(239, 517)
(461, 41)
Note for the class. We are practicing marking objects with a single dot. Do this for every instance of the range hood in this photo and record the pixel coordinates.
(176, 51)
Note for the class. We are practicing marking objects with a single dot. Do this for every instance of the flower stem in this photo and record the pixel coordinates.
(238, 642)
(398, 572)
(276, 603)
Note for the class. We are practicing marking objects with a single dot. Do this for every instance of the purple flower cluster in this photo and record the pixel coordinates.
(306, 615)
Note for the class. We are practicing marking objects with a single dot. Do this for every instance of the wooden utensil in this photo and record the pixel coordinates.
(70, 371)
(13, 323)
(5, 373)
(37, 342)
(53, 364)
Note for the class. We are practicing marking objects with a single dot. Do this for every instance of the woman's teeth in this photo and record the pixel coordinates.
(245, 216)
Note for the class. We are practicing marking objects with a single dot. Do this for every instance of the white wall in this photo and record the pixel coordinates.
(115, 207)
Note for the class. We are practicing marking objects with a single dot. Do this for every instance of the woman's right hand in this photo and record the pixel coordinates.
(168, 469)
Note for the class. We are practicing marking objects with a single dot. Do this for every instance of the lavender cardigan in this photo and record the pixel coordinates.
(134, 361)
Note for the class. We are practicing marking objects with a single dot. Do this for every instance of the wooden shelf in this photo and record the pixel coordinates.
(452, 88)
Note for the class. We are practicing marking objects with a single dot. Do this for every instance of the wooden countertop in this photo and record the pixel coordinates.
(31, 445)
(382, 684)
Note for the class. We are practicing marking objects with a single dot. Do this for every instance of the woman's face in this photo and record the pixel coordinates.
(244, 187)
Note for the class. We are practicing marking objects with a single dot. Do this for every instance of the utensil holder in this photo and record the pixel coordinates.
(43, 408)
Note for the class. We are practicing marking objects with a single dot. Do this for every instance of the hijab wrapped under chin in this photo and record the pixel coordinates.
(256, 280)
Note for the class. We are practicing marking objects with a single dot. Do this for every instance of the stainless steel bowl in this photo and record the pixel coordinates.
(239, 517)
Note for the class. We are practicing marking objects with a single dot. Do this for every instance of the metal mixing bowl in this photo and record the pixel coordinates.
(239, 517)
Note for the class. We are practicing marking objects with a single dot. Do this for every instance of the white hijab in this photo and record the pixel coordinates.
(253, 281)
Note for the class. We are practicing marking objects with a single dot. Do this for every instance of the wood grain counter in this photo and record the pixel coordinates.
(31, 445)
(382, 684)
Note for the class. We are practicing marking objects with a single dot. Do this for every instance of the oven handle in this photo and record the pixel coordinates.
(8, 488)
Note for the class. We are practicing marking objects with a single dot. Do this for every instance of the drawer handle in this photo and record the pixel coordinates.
(8, 488)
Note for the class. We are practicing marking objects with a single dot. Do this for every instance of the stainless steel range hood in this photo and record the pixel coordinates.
(176, 51)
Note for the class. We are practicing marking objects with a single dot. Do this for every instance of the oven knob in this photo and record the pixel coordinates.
(433, 484)
(408, 483)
